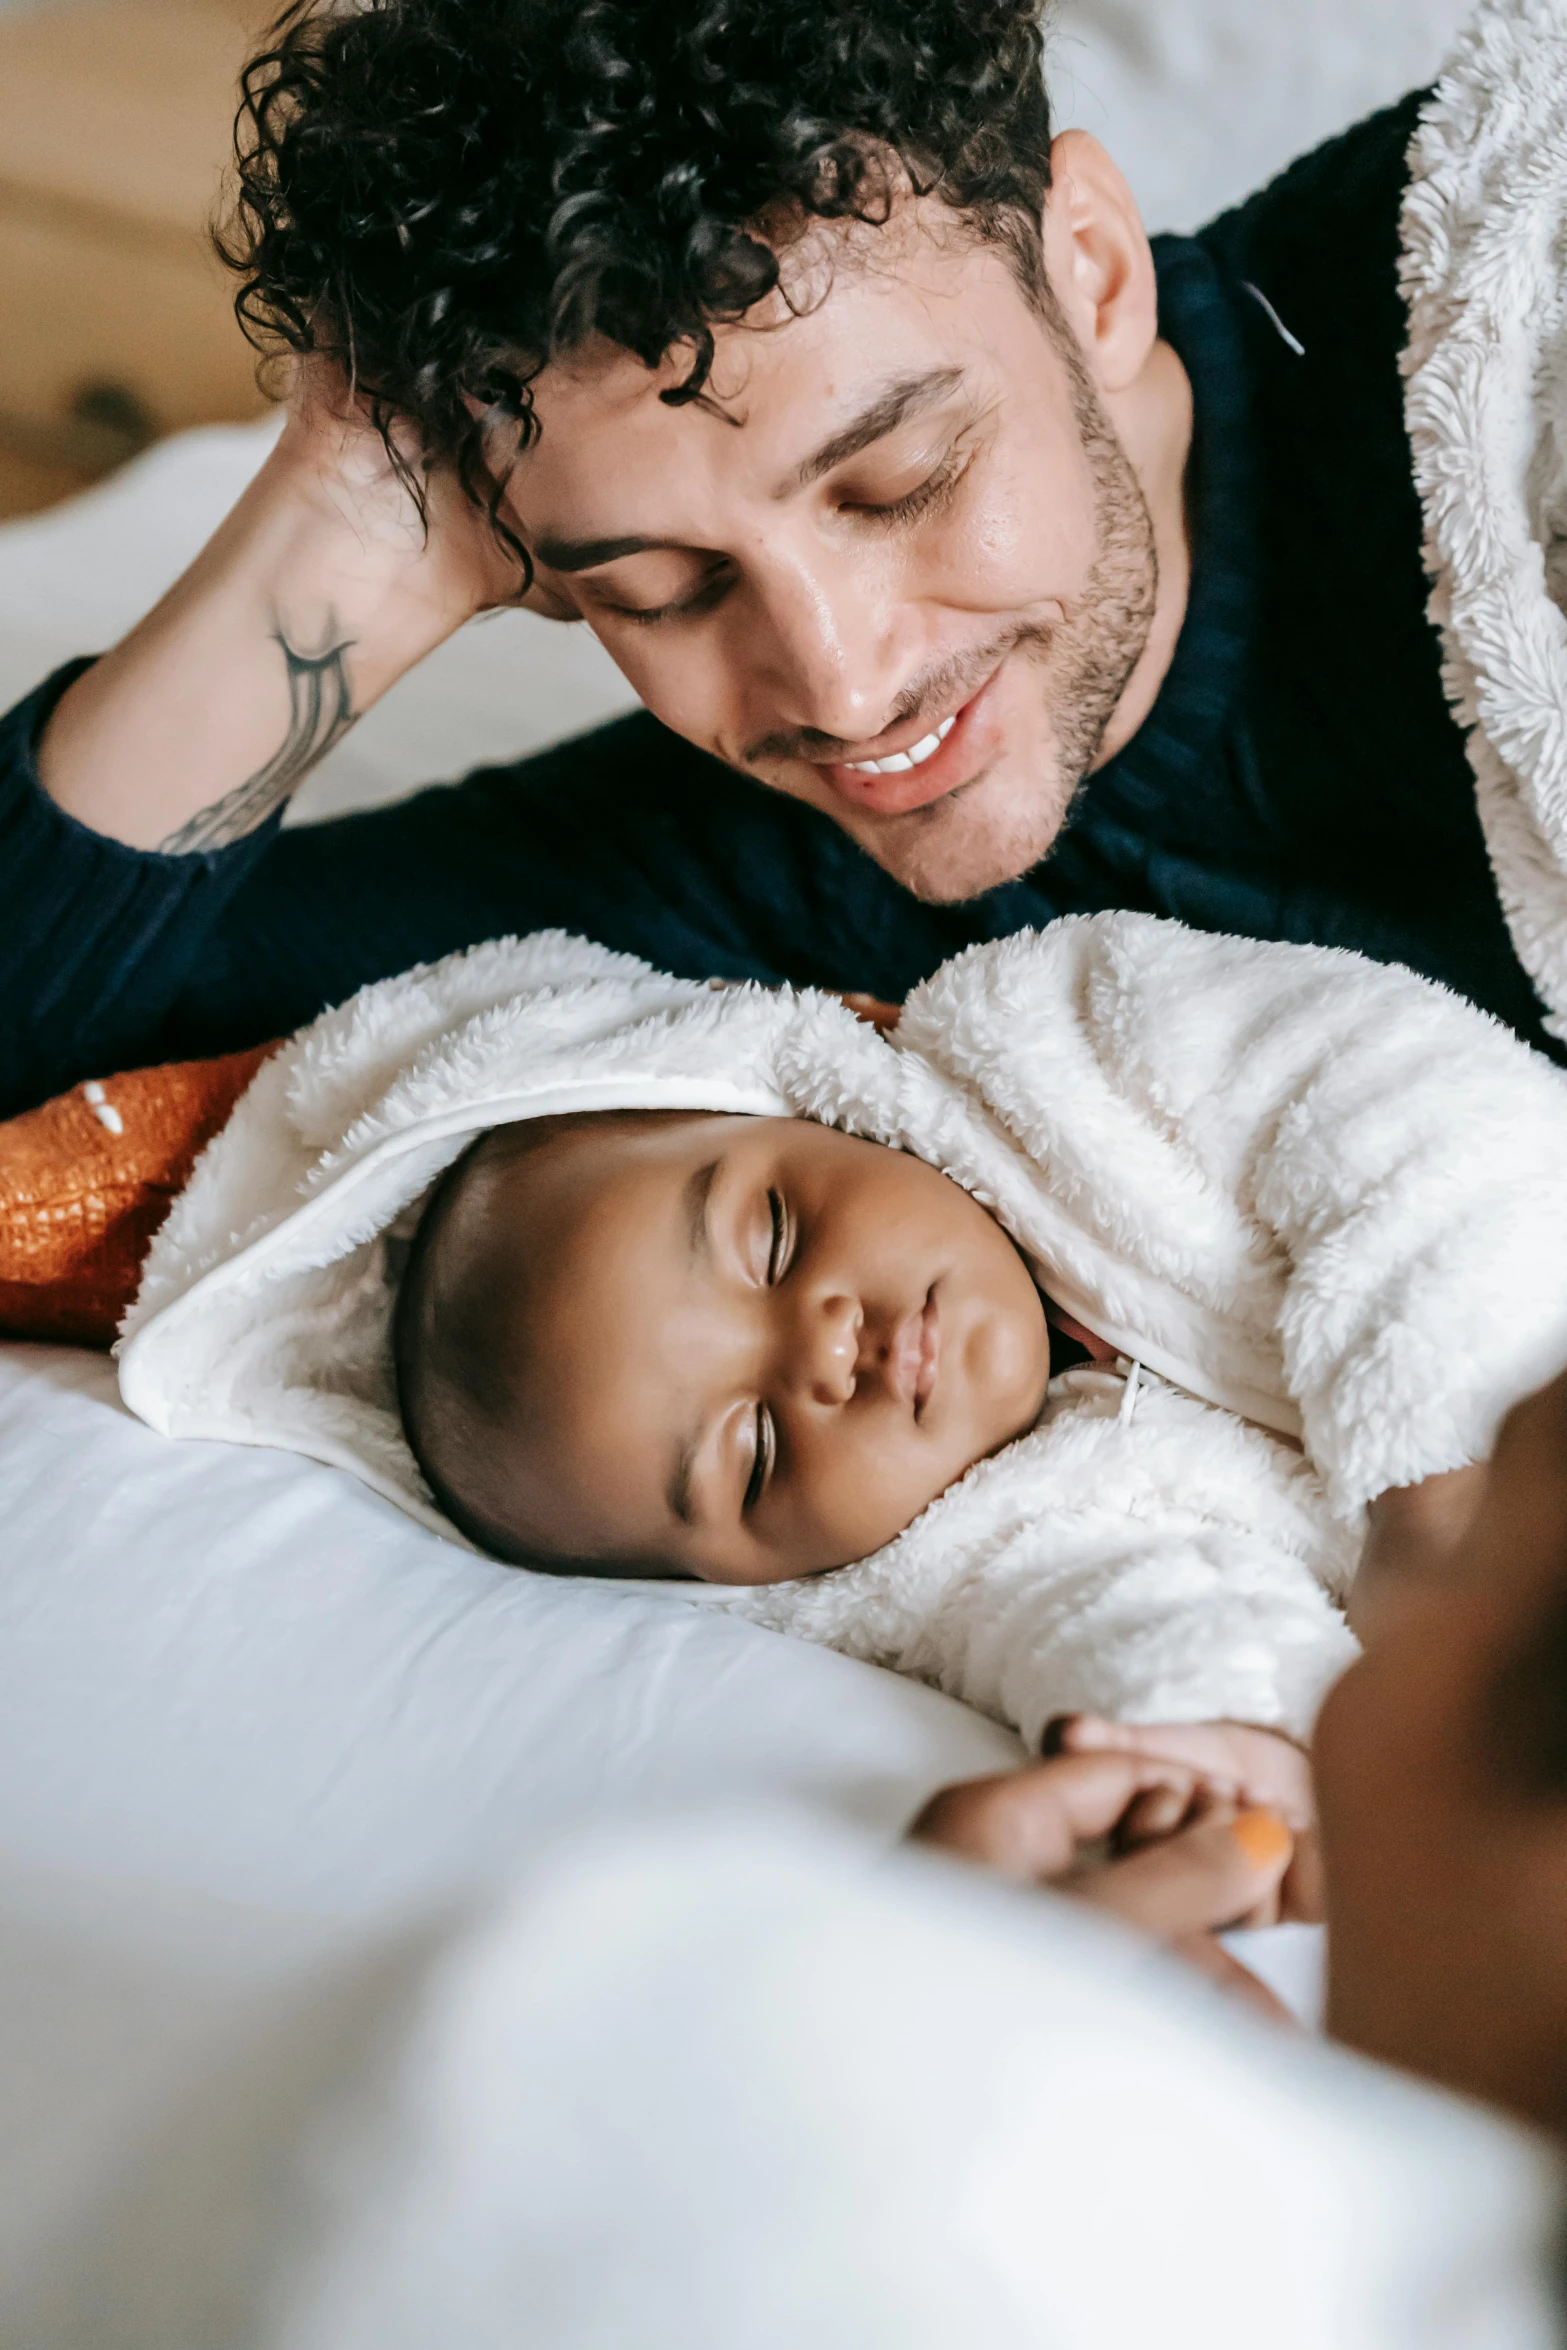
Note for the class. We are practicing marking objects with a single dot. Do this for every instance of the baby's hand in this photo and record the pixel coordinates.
(873, 1010)
(1059, 1823)
(1232, 1762)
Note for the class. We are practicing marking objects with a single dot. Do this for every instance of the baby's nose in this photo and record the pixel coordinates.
(835, 1352)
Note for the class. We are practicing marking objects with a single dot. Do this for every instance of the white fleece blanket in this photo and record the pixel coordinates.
(1323, 1203)
(1484, 274)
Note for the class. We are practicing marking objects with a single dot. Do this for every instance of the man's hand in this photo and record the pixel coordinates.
(874, 1010)
(331, 456)
(1215, 1862)
(1236, 1763)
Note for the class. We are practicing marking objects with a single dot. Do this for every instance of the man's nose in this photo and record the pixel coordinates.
(837, 664)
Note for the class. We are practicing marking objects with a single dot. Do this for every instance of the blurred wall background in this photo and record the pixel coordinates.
(115, 325)
(1201, 101)
(114, 126)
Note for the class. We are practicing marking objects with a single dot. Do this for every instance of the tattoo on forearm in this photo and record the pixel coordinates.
(321, 709)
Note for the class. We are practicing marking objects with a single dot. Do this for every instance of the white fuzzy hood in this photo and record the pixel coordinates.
(264, 1314)
(265, 1308)
(1269, 1173)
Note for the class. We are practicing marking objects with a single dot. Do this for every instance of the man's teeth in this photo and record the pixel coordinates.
(901, 761)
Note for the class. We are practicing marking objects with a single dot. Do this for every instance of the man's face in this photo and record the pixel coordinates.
(897, 565)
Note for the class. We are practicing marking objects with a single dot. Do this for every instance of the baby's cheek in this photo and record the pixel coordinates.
(1008, 1368)
(867, 1494)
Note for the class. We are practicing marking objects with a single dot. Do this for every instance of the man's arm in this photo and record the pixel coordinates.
(322, 587)
(148, 910)
(112, 957)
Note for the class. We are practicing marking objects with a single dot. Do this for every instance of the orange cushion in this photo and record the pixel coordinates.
(86, 1181)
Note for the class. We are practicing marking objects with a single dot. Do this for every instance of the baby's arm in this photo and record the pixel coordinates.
(1409, 1159)
(1337, 1154)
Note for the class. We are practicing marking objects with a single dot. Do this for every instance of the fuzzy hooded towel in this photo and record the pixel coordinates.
(1320, 1202)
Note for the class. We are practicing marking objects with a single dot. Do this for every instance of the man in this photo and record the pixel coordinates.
(976, 562)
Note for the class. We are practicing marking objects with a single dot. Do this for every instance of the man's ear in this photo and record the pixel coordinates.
(543, 597)
(1099, 262)
(548, 601)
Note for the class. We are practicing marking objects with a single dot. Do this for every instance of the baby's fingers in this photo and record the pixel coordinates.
(1258, 1767)
(1158, 1813)
(1203, 1747)
(1032, 1824)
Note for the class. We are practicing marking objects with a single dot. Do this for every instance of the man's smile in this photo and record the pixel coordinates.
(920, 761)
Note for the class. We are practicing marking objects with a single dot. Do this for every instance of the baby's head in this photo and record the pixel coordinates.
(734, 1348)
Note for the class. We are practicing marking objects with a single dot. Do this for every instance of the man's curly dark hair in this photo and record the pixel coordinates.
(442, 196)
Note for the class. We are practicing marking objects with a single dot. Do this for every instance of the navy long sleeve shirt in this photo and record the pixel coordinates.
(1299, 777)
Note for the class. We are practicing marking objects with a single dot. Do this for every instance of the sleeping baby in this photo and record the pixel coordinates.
(1051, 1348)
(739, 1348)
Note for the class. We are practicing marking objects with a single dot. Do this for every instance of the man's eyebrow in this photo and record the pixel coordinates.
(910, 396)
(587, 554)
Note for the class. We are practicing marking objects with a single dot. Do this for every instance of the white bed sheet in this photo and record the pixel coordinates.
(241, 1674)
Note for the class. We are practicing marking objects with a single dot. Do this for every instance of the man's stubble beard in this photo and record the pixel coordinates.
(955, 850)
